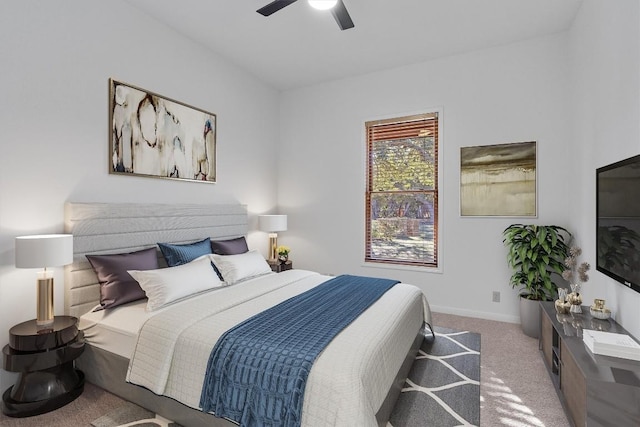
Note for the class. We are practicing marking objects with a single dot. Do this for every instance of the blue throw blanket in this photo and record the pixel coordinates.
(258, 370)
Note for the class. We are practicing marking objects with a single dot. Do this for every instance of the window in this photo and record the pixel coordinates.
(402, 191)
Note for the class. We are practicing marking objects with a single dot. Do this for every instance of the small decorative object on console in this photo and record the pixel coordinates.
(598, 310)
(574, 274)
(575, 299)
(561, 304)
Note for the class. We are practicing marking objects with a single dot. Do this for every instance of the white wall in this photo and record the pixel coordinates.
(605, 101)
(507, 94)
(57, 58)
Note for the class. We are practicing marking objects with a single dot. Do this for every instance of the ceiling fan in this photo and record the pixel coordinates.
(338, 10)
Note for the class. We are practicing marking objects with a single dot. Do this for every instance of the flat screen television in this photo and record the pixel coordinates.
(618, 221)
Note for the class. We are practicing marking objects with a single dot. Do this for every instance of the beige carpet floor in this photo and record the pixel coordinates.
(515, 389)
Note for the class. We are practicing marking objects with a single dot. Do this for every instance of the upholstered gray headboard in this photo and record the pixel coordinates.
(103, 228)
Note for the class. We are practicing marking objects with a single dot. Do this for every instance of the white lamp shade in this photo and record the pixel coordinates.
(323, 4)
(47, 250)
(272, 223)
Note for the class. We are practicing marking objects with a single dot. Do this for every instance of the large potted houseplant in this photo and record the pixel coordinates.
(536, 252)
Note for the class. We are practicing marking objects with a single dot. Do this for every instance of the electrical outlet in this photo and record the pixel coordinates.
(496, 296)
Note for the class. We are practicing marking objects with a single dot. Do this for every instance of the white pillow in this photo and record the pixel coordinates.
(235, 268)
(167, 285)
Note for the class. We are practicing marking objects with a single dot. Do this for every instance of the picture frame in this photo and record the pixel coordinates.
(151, 135)
(499, 180)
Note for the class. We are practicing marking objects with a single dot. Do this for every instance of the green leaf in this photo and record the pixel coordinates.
(546, 247)
(542, 234)
(523, 253)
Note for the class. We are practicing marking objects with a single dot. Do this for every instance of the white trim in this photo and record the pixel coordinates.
(403, 267)
(487, 315)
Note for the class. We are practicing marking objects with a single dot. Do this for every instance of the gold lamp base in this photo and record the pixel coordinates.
(44, 316)
(273, 244)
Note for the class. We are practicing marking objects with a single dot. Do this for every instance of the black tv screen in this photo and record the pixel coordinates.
(618, 221)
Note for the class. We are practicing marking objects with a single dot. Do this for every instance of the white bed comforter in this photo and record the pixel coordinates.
(349, 380)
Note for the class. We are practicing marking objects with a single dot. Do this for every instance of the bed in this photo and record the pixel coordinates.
(357, 378)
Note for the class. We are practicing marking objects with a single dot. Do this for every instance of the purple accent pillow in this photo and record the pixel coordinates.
(117, 287)
(230, 247)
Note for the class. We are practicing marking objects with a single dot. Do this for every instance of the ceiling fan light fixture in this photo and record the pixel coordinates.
(323, 4)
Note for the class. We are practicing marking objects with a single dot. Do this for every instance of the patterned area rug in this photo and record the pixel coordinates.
(443, 388)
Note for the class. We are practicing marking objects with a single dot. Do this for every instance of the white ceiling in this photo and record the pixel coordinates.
(300, 46)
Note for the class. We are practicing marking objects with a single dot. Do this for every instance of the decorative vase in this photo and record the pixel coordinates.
(283, 259)
(561, 304)
(562, 294)
(575, 299)
(598, 310)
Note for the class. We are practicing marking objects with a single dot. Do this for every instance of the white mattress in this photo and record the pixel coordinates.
(115, 330)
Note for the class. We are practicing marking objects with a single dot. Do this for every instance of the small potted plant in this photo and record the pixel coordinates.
(535, 253)
(283, 253)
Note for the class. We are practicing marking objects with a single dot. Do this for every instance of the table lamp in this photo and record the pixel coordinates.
(42, 251)
(272, 224)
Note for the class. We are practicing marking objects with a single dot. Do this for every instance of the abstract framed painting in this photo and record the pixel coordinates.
(154, 136)
(499, 180)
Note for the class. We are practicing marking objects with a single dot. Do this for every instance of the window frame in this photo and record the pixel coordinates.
(437, 194)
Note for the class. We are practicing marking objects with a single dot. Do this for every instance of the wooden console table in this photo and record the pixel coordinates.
(594, 390)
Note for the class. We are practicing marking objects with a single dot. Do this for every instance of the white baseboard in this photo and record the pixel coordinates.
(476, 314)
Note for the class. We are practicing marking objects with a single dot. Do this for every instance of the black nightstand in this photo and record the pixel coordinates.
(48, 379)
(278, 267)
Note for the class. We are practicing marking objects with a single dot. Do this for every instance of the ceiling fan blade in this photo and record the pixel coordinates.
(343, 19)
(274, 6)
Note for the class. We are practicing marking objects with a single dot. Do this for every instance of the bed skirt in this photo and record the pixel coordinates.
(108, 371)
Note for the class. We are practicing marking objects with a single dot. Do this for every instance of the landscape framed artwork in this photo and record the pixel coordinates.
(499, 180)
(154, 136)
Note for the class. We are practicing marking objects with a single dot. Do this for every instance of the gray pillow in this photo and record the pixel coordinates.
(117, 287)
(230, 247)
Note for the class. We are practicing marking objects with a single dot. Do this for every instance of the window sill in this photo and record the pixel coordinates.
(431, 270)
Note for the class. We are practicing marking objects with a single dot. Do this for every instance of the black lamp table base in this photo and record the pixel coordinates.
(64, 389)
(45, 361)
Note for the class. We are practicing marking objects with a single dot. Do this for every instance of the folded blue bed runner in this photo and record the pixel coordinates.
(258, 370)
